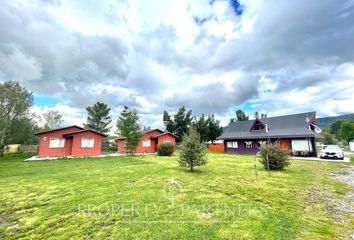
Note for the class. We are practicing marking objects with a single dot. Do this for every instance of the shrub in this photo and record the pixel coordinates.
(192, 152)
(165, 149)
(278, 157)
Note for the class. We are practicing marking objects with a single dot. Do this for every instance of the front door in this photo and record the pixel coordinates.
(284, 143)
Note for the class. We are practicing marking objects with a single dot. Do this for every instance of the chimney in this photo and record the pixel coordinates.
(266, 126)
(307, 118)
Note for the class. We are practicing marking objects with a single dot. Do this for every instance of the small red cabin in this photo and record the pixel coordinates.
(69, 141)
(149, 142)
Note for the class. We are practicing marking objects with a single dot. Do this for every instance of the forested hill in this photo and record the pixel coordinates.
(325, 121)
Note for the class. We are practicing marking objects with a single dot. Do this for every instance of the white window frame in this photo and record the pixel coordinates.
(166, 141)
(56, 142)
(261, 142)
(146, 143)
(301, 145)
(232, 144)
(87, 142)
(248, 144)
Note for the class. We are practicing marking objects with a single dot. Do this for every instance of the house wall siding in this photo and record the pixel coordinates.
(43, 147)
(166, 137)
(153, 143)
(241, 149)
(77, 150)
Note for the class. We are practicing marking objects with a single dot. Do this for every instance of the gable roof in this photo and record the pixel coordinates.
(85, 130)
(164, 133)
(58, 129)
(294, 125)
(155, 136)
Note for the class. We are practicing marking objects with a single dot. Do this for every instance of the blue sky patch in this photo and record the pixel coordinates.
(43, 101)
(237, 7)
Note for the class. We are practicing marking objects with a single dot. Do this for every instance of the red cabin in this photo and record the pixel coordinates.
(149, 142)
(69, 141)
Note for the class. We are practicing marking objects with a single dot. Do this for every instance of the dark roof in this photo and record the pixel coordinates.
(85, 130)
(156, 129)
(58, 129)
(294, 125)
(159, 135)
(155, 136)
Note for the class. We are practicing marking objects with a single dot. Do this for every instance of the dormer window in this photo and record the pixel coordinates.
(258, 125)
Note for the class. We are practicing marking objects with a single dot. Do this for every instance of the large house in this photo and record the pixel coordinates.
(149, 142)
(297, 132)
(69, 141)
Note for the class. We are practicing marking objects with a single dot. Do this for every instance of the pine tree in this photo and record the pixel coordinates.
(129, 126)
(214, 127)
(192, 152)
(98, 118)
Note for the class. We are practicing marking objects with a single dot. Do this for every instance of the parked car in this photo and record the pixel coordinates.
(331, 151)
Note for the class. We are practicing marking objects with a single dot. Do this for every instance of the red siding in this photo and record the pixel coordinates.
(45, 151)
(166, 137)
(153, 142)
(72, 145)
(77, 150)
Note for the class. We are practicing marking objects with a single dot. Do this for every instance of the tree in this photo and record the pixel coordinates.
(53, 119)
(328, 139)
(98, 118)
(192, 152)
(167, 120)
(202, 127)
(240, 116)
(256, 115)
(215, 130)
(15, 102)
(335, 127)
(180, 123)
(129, 126)
(346, 131)
(22, 131)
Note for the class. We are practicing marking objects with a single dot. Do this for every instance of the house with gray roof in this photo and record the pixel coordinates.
(296, 132)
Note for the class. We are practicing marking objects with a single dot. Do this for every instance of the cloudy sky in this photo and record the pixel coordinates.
(212, 56)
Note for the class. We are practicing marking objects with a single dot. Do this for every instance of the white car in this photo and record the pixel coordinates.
(331, 151)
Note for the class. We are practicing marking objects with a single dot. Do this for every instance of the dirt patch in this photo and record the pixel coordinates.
(335, 206)
(345, 175)
(331, 203)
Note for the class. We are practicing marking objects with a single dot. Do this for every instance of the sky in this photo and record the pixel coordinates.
(212, 56)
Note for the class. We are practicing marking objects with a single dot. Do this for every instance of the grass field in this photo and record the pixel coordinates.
(150, 197)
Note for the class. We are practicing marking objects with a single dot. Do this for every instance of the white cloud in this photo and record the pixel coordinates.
(195, 53)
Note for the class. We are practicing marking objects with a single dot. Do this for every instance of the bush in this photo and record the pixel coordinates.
(166, 149)
(278, 157)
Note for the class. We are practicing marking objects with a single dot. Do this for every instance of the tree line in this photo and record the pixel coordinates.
(339, 132)
(18, 125)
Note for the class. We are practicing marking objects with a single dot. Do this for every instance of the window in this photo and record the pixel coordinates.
(166, 141)
(56, 143)
(87, 142)
(260, 143)
(248, 144)
(232, 144)
(146, 143)
(301, 145)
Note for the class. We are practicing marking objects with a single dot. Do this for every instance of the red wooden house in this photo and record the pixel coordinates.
(149, 142)
(69, 141)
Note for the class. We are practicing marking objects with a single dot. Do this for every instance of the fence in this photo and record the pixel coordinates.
(28, 148)
(216, 147)
(14, 148)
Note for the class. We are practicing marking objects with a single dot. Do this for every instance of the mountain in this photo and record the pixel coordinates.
(325, 121)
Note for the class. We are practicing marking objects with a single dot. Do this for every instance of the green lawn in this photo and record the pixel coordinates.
(150, 197)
